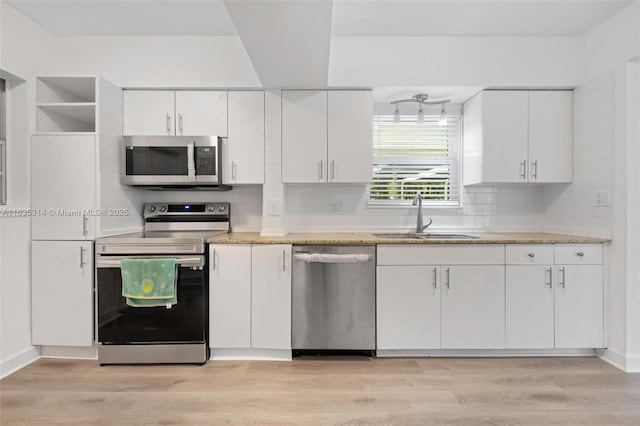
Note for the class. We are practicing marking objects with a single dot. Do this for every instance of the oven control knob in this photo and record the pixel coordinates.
(212, 208)
(162, 209)
(152, 209)
(221, 208)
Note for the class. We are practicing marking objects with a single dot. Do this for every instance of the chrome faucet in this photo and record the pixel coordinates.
(420, 226)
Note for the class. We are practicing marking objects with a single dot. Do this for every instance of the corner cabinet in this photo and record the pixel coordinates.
(518, 136)
(327, 136)
(250, 298)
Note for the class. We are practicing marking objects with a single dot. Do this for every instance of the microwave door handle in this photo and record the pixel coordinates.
(191, 164)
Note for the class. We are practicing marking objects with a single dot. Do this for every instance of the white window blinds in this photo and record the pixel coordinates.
(410, 157)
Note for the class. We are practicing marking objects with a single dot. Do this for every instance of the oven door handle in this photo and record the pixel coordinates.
(196, 262)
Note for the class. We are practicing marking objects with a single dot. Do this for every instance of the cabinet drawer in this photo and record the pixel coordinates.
(439, 254)
(578, 254)
(529, 254)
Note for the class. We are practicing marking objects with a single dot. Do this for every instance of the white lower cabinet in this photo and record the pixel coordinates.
(271, 297)
(527, 300)
(579, 306)
(529, 307)
(62, 293)
(408, 311)
(250, 296)
(473, 307)
(230, 296)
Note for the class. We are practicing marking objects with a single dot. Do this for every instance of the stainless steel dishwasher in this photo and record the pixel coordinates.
(334, 298)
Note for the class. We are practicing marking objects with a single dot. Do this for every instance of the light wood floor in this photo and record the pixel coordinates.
(532, 391)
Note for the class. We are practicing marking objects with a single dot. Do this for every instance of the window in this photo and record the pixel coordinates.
(410, 157)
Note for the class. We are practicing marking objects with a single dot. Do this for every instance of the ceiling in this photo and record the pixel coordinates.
(139, 17)
(368, 18)
(516, 18)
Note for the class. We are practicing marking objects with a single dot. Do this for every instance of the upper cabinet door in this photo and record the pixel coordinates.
(504, 136)
(63, 183)
(148, 112)
(304, 136)
(550, 136)
(245, 146)
(350, 130)
(201, 113)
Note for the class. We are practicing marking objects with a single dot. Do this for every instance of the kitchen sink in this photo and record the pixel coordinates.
(427, 236)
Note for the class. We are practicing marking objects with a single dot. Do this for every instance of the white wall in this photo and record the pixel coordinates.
(15, 233)
(453, 61)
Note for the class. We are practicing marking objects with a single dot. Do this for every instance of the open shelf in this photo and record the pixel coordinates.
(66, 117)
(66, 89)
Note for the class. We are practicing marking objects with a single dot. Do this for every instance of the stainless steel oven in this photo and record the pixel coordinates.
(143, 335)
(168, 161)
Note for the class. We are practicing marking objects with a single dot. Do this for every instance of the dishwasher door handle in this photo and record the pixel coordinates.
(332, 258)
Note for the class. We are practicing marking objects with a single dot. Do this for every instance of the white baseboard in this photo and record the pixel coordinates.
(20, 360)
(614, 358)
(250, 354)
(633, 364)
(487, 353)
(70, 352)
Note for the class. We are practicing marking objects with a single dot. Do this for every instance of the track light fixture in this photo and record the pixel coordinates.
(421, 99)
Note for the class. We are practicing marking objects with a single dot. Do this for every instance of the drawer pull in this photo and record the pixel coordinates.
(531, 255)
(580, 253)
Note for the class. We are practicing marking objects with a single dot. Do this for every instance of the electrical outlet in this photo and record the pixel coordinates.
(336, 207)
(601, 198)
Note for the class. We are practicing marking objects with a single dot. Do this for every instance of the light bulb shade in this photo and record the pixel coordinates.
(420, 116)
(443, 117)
(396, 115)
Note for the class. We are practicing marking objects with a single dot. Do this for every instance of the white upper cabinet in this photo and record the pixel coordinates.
(201, 112)
(327, 136)
(518, 136)
(70, 190)
(148, 112)
(550, 136)
(62, 293)
(350, 134)
(170, 112)
(304, 136)
(244, 153)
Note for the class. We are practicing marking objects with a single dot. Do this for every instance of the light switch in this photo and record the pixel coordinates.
(601, 198)
(273, 207)
(336, 207)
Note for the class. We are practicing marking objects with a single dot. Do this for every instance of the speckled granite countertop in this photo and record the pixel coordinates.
(370, 239)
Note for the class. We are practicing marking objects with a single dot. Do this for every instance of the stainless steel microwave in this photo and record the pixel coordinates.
(172, 161)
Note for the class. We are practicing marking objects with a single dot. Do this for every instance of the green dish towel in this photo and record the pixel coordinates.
(149, 282)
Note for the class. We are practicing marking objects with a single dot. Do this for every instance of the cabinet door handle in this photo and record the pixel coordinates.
(547, 277)
(534, 169)
(233, 170)
(561, 278)
(321, 171)
(435, 278)
(180, 122)
(85, 228)
(168, 124)
(284, 260)
(448, 278)
(213, 259)
(333, 169)
(82, 262)
(523, 169)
